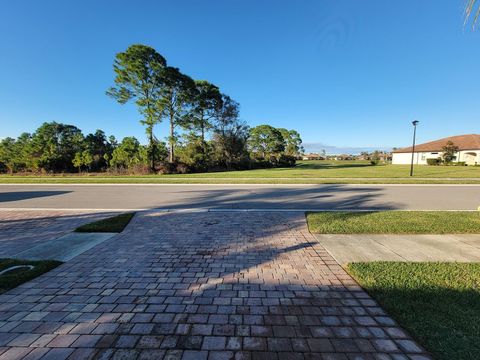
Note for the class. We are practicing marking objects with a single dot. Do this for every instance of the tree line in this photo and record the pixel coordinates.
(56, 147)
(205, 130)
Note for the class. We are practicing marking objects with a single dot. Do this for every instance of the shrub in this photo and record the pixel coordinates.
(374, 162)
(182, 168)
(434, 161)
(173, 168)
(139, 169)
(166, 168)
(261, 164)
(243, 164)
(460, 163)
(286, 161)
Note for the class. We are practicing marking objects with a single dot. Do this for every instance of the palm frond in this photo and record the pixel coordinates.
(472, 9)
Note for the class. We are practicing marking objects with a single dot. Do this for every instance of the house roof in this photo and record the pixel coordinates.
(464, 142)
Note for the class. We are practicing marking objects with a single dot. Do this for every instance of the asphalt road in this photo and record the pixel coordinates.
(284, 197)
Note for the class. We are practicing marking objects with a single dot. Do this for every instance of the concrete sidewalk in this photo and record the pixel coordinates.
(23, 230)
(65, 247)
(373, 247)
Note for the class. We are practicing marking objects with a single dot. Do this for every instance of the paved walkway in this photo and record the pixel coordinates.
(359, 247)
(22, 230)
(66, 247)
(200, 286)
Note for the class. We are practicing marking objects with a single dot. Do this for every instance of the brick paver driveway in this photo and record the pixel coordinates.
(21, 230)
(200, 286)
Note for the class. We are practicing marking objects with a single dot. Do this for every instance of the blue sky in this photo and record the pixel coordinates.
(346, 74)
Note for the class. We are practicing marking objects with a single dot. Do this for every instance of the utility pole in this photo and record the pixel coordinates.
(414, 123)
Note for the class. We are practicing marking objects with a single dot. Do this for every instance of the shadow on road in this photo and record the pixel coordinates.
(332, 196)
(324, 197)
(25, 195)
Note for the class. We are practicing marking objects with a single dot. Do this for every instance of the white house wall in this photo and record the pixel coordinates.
(469, 158)
(406, 158)
(420, 158)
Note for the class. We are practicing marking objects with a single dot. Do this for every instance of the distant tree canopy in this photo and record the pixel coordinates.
(56, 147)
(293, 142)
(265, 142)
(205, 129)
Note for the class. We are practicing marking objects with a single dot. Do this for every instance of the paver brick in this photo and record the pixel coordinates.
(36, 354)
(194, 285)
(58, 354)
(214, 342)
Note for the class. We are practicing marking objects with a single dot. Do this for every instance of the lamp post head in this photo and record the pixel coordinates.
(415, 122)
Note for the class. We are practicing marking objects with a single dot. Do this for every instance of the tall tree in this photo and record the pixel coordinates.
(11, 155)
(139, 76)
(293, 142)
(226, 114)
(127, 154)
(177, 96)
(265, 142)
(230, 134)
(208, 100)
(99, 148)
(54, 146)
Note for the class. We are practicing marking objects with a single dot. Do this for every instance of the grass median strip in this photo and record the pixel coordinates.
(394, 222)
(113, 224)
(162, 179)
(438, 303)
(18, 276)
(305, 172)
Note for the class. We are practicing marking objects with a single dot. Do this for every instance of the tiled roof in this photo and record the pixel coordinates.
(464, 142)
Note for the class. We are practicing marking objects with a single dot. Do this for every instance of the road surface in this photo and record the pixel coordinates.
(281, 197)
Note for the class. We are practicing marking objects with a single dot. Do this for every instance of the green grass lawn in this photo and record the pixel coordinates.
(394, 222)
(314, 172)
(113, 224)
(9, 281)
(438, 303)
(347, 169)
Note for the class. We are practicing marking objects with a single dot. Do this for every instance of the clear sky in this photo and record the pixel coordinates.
(343, 73)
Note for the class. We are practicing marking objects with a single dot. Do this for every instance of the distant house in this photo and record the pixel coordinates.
(344, 157)
(381, 155)
(385, 156)
(312, 156)
(468, 150)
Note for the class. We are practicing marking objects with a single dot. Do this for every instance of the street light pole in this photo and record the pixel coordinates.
(414, 123)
